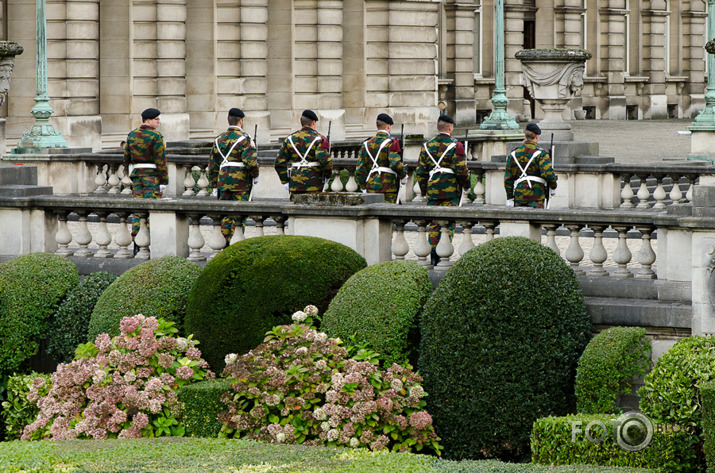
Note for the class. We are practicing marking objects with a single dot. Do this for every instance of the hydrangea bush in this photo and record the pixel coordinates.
(123, 387)
(300, 386)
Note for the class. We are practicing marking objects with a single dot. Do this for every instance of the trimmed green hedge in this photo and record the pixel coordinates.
(379, 306)
(31, 288)
(258, 283)
(17, 410)
(501, 336)
(201, 405)
(71, 322)
(565, 441)
(158, 288)
(607, 367)
(707, 394)
(191, 455)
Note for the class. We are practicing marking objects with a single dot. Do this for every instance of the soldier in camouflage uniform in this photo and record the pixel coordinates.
(144, 153)
(442, 174)
(380, 167)
(233, 167)
(528, 175)
(303, 162)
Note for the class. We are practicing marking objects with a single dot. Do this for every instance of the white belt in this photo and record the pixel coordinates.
(232, 164)
(382, 169)
(307, 164)
(145, 166)
(440, 170)
(530, 179)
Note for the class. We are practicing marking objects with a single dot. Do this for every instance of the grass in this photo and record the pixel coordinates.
(190, 455)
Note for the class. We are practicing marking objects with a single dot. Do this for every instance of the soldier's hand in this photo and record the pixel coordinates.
(255, 181)
(162, 188)
(510, 203)
(286, 186)
(215, 192)
(404, 180)
(552, 192)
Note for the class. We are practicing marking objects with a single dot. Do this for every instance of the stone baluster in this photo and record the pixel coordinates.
(689, 193)
(203, 183)
(418, 193)
(444, 246)
(280, 224)
(399, 244)
(238, 234)
(643, 193)
(123, 238)
(467, 242)
(100, 180)
(260, 229)
(627, 192)
(196, 239)
(574, 253)
(143, 239)
(598, 254)
(63, 237)
(646, 255)
(337, 184)
(103, 238)
(489, 227)
(622, 255)
(422, 247)
(217, 242)
(551, 238)
(189, 181)
(675, 193)
(480, 190)
(126, 181)
(114, 180)
(351, 185)
(84, 237)
(659, 194)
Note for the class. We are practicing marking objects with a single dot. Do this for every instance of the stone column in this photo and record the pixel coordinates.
(694, 27)
(171, 68)
(202, 32)
(253, 68)
(613, 31)
(376, 56)
(329, 65)
(354, 64)
(514, 13)
(654, 60)
(280, 66)
(568, 18)
(116, 80)
(460, 63)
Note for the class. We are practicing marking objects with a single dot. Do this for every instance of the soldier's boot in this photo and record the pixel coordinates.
(435, 257)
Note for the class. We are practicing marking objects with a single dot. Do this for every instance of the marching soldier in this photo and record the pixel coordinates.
(528, 175)
(442, 174)
(144, 152)
(380, 166)
(303, 162)
(233, 167)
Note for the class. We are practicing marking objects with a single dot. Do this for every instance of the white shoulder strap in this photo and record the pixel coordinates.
(523, 169)
(374, 158)
(437, 164)
(303, 157)
(226, 156)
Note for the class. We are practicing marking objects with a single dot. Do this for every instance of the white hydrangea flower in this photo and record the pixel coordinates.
(281, 437)
(230, 359)
(396, 384)
(299, 316)
(311, 310)
(354, 443)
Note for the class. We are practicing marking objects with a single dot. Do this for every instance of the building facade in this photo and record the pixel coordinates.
(346, 59)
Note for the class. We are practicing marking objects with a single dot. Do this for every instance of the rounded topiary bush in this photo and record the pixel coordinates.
(501, 336)
(71, 322)
(608, 366)
(256, 284)
(158, 288)
(379, 306)
(31, 288)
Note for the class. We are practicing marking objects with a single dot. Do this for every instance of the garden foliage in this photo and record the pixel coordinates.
(71, 322)
(17, 410)
(671, 393)
(31, 288)
(501, 336)
(158, 288)
(256, 284)
(563, 441)
(608, 366)
(201, 404)
(123, 387)
(707, 394)
(300, 387)
(388, 295)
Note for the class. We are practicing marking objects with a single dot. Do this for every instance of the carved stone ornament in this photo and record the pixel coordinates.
(8, 51)
(710, 46)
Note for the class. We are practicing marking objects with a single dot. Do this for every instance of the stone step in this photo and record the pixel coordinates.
(638, 312)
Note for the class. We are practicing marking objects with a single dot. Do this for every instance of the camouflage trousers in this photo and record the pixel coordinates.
(144, 187)
(433, 228)
(228, 224)
(536, 204)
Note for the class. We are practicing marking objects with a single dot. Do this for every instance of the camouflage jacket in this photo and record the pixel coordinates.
(380, 164)
(233, 164)
(304, 172)
(530, 188)
(145, 145)
(446, 181)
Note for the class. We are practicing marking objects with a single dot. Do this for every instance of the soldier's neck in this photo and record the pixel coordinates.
(235, 127)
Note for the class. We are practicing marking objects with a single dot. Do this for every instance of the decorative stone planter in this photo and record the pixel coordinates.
(553, 77)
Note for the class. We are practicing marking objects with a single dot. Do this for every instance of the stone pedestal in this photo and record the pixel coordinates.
(702, 144)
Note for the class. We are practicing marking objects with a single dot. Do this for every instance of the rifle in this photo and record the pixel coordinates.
(401, 142)
(255, 143)
(551, 155)
(330, 145)
(465, 193)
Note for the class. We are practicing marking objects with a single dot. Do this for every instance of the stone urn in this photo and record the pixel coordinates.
(553, 77)
(8, 51)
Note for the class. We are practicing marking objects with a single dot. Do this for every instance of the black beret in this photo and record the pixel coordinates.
(310, 114)
(385, 118)
(446, 119)
(150, 113)
(236, 112)
(534, 128)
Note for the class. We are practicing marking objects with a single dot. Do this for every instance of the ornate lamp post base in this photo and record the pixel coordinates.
(42, 135)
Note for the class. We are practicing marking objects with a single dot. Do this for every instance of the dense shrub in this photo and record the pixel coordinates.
(564, 441)
(671, 393)
(17, 410)
(501, 336)
(707, 394)
(607, 367)
(256, 284)
(31, 288)
(157, 288)
(388, 295)
(300, 387)
(122, 387)
(71, 322)
(201, 406)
